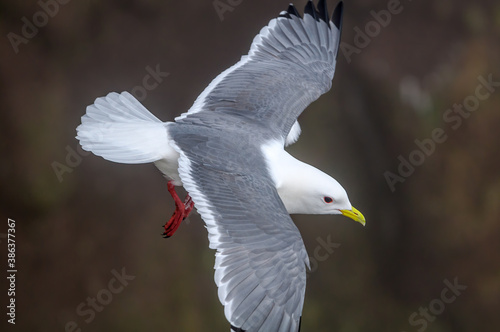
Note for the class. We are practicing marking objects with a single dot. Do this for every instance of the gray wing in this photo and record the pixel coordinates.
(261, 259)
(290, 64)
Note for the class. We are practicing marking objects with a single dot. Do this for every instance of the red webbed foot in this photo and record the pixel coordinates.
(182, 210)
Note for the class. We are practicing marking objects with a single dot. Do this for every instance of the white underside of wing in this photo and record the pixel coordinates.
(294, 134)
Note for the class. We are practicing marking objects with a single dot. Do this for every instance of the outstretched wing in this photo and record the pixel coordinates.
(261, 259)
(290, 64)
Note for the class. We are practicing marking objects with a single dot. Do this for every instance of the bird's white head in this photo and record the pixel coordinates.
(311, 191)
(325, 195)
(305, 189)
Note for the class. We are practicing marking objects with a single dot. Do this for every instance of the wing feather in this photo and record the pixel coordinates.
(291, 62)
(261, 260)
(260, 265)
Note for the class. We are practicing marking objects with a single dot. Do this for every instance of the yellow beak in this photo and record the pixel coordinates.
(355, 215)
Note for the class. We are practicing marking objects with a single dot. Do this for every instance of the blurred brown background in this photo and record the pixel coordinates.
(75, 227)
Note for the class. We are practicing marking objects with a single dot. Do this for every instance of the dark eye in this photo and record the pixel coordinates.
(328, 199)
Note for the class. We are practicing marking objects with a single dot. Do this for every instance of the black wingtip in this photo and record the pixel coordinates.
(311, 10)
(236, 329)
(323, 10)
(337, 15)
(293, 11)
(337, 20)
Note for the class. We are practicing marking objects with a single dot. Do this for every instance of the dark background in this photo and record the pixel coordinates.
(441, 223)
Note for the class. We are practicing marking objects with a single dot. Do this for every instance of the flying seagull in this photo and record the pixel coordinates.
(228, 153)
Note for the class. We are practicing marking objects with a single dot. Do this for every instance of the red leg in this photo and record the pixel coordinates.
(181, 212)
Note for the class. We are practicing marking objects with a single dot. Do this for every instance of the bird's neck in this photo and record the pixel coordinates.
(291, 176)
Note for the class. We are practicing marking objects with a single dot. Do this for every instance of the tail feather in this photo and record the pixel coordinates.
(120, 129)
